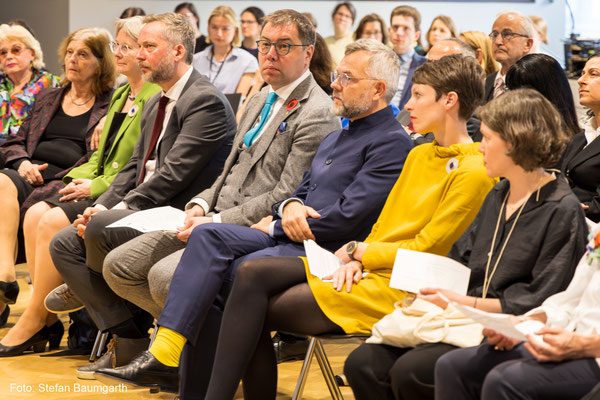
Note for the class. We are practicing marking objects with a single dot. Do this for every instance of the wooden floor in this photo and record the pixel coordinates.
(47, 376)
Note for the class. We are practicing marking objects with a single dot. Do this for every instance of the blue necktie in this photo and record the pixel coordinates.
(264, 114)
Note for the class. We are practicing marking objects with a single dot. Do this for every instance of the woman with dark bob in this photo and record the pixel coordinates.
(535, 71)
(343, 17)
(581, 160)
(372, 26)
(436, 197)
(522, 247)
(54, 138)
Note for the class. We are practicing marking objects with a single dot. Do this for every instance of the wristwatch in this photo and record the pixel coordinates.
(351, 248)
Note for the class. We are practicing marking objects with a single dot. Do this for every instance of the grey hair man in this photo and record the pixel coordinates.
(449, 46)
(186, 135)
(512, 38)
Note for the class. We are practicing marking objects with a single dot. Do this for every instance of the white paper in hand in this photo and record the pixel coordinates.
(320, 261)
(414, 270)
(154, 219)
(501, 323)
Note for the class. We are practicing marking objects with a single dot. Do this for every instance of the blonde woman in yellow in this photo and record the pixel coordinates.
(437, 195)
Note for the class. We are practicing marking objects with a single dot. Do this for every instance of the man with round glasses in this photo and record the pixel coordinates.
(512, 38)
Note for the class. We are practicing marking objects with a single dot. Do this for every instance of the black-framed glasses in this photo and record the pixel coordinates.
(122, 47)
(345, 79)
(506, 35)
(281, 48)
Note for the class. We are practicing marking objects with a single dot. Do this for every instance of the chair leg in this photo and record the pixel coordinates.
(304, 371)
(328, 374)
(153, 336)
(98, 345)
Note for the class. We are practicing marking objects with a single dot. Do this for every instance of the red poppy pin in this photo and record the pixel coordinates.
(293, 103)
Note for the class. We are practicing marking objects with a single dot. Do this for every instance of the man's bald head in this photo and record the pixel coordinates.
(447, 47)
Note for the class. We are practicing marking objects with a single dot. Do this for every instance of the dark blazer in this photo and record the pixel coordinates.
(350, 178)
(190, 154)
(417, 61)
(581, 167)
(23, 145)
(489, 87)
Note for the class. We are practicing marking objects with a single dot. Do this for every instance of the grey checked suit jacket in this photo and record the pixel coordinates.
(190, 155)
(280, 159)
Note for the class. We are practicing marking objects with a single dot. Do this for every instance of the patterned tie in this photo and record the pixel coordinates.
(156, 130)
(264, 114)
(499, 87)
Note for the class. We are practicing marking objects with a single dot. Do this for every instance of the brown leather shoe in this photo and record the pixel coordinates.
(120, 351)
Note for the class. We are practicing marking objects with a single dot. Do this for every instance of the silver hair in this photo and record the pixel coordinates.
(525, 21)
(383, 64)
(17, 32)
(465, 49)
(131, 26)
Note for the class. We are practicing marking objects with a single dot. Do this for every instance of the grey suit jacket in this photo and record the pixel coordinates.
(280, 158)
(190, 155)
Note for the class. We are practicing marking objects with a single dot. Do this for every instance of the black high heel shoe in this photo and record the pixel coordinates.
(37, 341)
(56, 331)
(4, 316)
(9, 292)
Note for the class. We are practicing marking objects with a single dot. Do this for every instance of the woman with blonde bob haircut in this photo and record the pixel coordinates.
(482, 46)
(54, 138)
(21, 77)
(227, 66)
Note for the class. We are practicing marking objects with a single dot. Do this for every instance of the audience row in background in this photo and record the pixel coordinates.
(503, 118)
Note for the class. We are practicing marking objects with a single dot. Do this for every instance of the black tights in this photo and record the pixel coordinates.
(268, 294)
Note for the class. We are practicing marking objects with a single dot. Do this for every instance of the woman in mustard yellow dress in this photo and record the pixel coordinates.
(436, 197)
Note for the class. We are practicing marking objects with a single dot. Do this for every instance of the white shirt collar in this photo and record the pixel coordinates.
(591, 130)
(285, 91)
(175, 91)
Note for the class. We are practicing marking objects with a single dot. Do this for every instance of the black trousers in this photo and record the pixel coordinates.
(483, 373)
(377, 371)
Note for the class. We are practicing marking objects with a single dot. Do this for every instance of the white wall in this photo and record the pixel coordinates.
(467, 15)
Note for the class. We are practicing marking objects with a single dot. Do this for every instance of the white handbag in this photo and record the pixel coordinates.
(425, 322)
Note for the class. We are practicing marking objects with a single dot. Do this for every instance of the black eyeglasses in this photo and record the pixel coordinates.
(506, 35)
(281, 48)
(345, 79)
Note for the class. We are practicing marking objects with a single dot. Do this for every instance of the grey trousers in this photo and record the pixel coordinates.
(79, 262)
(141, 270)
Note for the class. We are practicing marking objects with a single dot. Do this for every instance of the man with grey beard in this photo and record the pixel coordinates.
(339, 199)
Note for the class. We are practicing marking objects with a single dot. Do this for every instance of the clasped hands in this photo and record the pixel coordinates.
(77, 189)
(193, 217)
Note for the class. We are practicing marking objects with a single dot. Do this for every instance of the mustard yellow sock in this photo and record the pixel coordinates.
(167, 346)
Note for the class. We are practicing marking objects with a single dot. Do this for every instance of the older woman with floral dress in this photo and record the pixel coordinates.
(21, 77)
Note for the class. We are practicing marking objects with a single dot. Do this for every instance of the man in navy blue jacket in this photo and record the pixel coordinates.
(339, 199)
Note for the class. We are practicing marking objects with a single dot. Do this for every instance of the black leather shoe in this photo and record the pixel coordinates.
(37, 341)
(144, 370)
(4, 316)
(56, 330)
(290, 350)
(9, 292)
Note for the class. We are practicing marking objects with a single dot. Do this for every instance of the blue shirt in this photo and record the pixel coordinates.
(225, 75)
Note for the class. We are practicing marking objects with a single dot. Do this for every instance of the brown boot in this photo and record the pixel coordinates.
(119, 352)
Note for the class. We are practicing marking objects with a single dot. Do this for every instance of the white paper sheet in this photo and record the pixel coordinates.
(154, 219)
(501, 323)
(414, 270)
(320, 261)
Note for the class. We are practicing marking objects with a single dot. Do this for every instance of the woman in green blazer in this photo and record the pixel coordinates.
(83, 184)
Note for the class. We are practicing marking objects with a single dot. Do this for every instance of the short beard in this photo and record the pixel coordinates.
(350, 111)
(164, 72)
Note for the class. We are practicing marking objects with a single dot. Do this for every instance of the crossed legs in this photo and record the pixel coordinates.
(9, 215)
